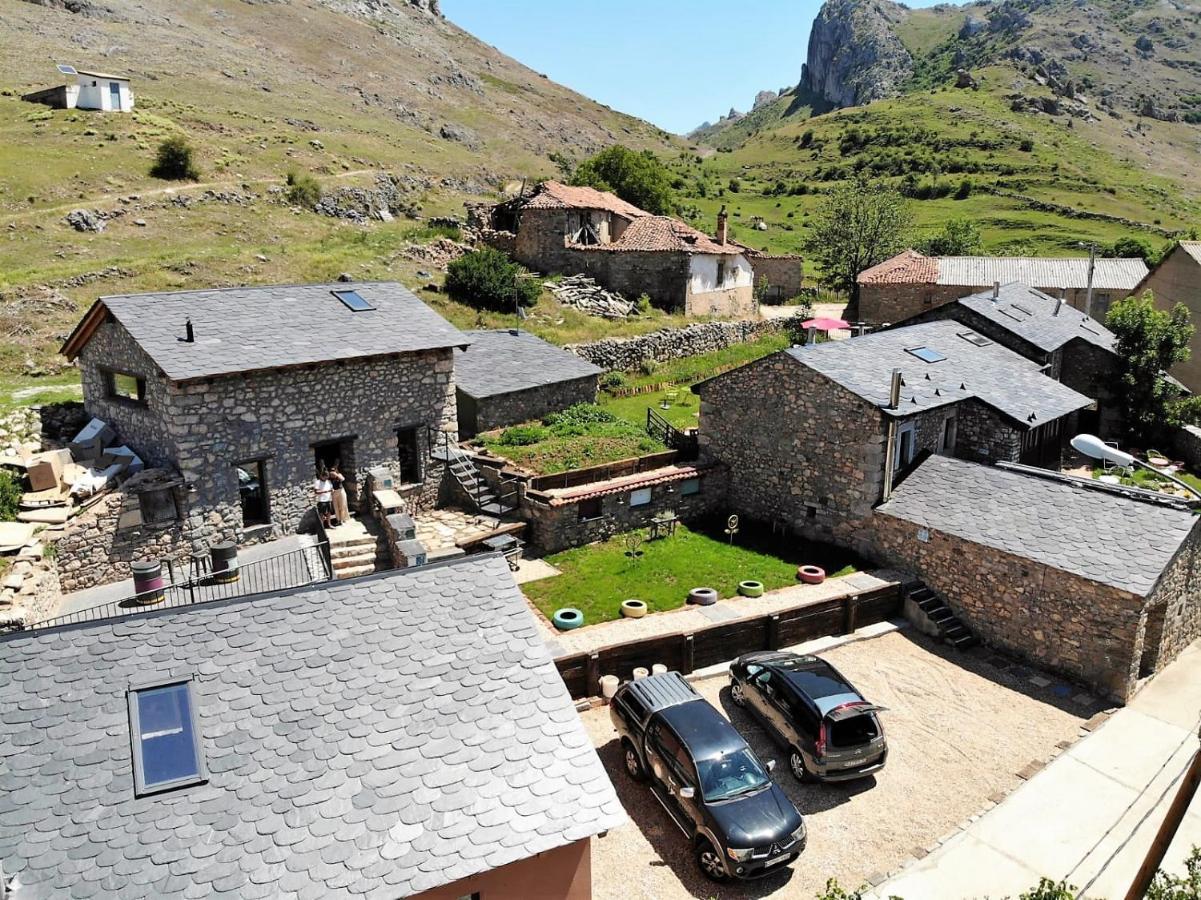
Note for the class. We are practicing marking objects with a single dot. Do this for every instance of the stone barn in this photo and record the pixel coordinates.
(244, 391)
(1076, 349)
(911, 283)
(805, 434)
(507, 377)
(1101, 585)
(1177, 279)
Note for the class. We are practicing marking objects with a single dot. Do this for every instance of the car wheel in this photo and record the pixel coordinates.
(710, 862)
(632, 763)
(796, 763)
(738, 693)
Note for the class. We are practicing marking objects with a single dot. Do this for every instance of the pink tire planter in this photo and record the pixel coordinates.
(811, 574)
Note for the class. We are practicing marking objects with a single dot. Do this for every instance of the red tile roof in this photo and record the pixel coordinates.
(665, 475)
(555, 195)
(907, 267)
(663, 234)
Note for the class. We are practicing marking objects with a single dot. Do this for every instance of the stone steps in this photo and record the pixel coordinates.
(942, 619)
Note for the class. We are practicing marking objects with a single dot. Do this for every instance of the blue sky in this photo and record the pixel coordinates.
(676, 63)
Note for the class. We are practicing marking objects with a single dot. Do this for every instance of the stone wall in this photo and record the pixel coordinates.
(1178, 280)
(1087, 631)
(984, 435)
(886, 303)
(737, 302)
(486, 413)
(1187, 444)
(1177, 595)
(784, 275)
(1092, 371)
(557, 526)
(94, 550)
(624, 354)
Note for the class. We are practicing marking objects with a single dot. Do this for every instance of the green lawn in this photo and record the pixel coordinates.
(598, 577)
(682, 413)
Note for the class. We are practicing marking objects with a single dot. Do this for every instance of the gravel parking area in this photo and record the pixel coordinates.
(959, 727)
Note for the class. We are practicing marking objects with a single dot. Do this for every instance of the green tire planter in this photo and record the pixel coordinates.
(567, 619)
(750, 588)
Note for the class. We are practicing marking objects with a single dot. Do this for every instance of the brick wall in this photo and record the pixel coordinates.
(1086, 631)
(486, 413)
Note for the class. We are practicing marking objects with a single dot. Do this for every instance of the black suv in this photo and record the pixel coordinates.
(740, 822)
(832, 733)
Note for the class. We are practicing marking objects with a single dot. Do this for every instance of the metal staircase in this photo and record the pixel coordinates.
(949, 627)
(462, 466)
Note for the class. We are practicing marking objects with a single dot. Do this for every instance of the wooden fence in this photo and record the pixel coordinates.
(721, 643)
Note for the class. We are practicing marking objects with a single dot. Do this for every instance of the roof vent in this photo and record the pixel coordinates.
(189, 333)
(996, 291)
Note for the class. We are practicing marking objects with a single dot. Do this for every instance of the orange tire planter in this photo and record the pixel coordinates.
(811, 574)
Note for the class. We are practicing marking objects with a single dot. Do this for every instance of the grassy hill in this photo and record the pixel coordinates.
(1094, 168)
(345, 90)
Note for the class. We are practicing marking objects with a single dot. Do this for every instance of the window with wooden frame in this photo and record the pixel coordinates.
(125, 386)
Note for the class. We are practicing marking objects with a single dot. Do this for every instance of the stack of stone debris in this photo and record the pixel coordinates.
(583, 293)
(438, 254)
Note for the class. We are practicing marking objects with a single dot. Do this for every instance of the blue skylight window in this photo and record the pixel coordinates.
(925, 354)
(353, 301)
(166, 739)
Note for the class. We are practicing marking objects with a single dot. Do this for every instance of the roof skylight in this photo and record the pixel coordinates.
(925, 354)
(166, 740)
(975, 338)
(353, 301)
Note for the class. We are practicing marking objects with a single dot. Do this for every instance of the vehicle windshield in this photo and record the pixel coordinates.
(728, 776)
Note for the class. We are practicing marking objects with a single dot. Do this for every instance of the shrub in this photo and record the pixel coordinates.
(487, 279)
(964, 190)
(807, 138)
(303, 190)
(523, 435)
(174, 160)
(1026, 146)
(735, 186)
(643, 304)
(614, 381)
(581, 414)
(10, 496)
(648, 366)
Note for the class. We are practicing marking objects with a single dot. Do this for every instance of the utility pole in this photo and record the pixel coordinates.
(1092, 265)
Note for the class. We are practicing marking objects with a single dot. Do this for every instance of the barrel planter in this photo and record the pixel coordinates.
(567, 619)
(750, 588)
(224, 559)
(702, 596)
(633, 609)
(811, 574)
(148, 584)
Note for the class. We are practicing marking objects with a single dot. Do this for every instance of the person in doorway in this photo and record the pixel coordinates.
(323, 490)
(338, 480)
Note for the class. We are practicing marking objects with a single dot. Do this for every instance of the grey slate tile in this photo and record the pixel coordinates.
(500, 362)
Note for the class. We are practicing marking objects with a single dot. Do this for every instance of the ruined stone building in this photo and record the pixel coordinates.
(579, 230)
(803, 433)
(244, 391)
(1075, 349)
(1098, 583)
(1177, 279)
(910, 283)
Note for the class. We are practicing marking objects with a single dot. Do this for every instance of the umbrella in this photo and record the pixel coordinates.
(825, 324)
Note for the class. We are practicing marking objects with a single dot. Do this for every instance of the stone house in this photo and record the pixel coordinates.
(1074, 348)
(244, 391)
(804, 433)
(579, 230)
(347, 739)
(911, 283)
(1101, 585)
(1177, 279)
(506, 377)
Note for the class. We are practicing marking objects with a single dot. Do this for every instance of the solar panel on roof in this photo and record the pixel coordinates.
(66, 70)
(353, 300)
(925, 354)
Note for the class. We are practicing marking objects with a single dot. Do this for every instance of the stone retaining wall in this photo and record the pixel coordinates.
(624, 354)
(501, 410)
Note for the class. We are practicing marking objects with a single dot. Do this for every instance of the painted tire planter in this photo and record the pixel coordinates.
(750, 588)
(811, 574)
(633, 609)
(567, 619)
(702, 596)
(148, 582)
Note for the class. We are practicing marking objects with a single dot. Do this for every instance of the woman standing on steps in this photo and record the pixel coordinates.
(338, 480)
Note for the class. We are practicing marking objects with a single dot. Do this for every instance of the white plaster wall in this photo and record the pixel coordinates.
(703, 273)
(99, 97)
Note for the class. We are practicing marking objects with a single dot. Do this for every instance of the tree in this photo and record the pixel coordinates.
(174, 160)
(958, 237)
(1132, 248)
(859, 223)
(1171, 887)
(487, 279)
(637, 178)
(1149, 342)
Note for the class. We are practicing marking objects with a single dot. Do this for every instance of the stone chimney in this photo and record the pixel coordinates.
(723, 230)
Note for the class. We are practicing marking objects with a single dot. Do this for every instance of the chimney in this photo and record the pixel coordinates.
(996, 291)
(1058, 305)
(723, 230)
(189, 333)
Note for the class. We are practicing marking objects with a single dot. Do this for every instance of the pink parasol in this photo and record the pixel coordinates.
(824, 324)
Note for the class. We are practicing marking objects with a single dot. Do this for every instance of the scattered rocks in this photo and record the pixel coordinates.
(86, 220)
(439, 253)
(964, 79)
(583, 293)
(316, 144)
(361, 204)
(460, 134)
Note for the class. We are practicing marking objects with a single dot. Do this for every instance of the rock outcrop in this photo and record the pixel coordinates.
(854, 55)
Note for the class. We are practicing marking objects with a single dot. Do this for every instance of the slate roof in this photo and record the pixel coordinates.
(1038, 318)
(555, 195)
(370, 738)
(500, 362)
(252, 328)
(911, 267)
(992, 374)
(1067, 525)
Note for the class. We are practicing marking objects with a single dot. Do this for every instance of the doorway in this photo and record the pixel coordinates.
(339, 452)
(114, 92)
(1152, 639)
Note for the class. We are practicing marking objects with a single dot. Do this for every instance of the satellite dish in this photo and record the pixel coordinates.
(67, 70)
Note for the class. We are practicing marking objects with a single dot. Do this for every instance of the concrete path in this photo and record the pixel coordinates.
(1089, 816)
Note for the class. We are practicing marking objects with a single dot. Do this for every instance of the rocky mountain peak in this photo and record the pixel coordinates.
(854, 55)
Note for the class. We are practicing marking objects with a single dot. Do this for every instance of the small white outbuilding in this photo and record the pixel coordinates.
(92, 90)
